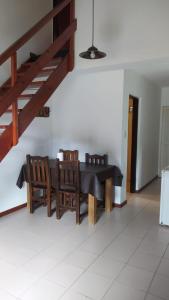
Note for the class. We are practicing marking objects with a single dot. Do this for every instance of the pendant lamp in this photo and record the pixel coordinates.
(92, 52)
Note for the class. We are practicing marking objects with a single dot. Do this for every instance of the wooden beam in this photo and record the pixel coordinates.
(14, 104)
(6, 142)
(3, 126)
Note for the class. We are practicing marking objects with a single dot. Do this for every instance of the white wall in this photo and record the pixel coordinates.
(128, 30)
(87, 114)
(165, 96)
(36, 140)
(15, 19)
(148, 126)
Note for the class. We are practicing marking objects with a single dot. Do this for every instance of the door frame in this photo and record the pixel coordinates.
(133, 106)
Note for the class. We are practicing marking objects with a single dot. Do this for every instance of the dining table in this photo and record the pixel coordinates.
(97, 181)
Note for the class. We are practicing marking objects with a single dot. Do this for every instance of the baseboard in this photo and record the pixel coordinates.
(142, 188)
(120, 205)
(11, 210)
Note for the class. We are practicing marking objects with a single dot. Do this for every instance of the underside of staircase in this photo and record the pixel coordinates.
(32, 83)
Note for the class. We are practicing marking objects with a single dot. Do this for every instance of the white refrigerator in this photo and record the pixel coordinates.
(164, 201)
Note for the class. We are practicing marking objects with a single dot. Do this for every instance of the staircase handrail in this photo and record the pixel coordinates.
(9, 52)
(19, 86)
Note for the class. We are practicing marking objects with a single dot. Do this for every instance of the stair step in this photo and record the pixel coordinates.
(27, 64)
(42, 73)
(3, 126)
(35, 84)
(10, 110)
(53, 64)
(25, 96)
(46, 72)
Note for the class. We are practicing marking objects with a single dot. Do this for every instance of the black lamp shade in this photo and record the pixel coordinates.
(92, 53)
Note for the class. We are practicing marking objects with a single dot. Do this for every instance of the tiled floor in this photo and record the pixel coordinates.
(125, 256)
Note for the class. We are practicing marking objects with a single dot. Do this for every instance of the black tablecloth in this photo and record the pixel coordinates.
(91, 177)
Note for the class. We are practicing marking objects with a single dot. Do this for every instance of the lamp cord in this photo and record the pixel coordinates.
(93, 23)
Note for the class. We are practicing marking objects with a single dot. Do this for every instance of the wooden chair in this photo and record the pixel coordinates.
(39, 182)
(68, 188)
(70, 154)
(96, 159)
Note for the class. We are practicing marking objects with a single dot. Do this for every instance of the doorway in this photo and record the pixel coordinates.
(132, 143)
(164, 139)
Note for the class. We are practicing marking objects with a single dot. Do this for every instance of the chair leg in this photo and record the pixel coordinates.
(77, 210)
(58, 206)
(31, 206)
(45, 197)
(48, 197)
(31, 201)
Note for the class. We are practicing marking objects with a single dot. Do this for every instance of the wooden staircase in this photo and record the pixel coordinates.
(31, 85)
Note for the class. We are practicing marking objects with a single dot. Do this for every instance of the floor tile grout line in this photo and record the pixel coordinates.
(155, 273)
(62, 261)
(115, 279)
(85, 270)
(125, 264)
(44, 275)
(101, 255)
(89, 236)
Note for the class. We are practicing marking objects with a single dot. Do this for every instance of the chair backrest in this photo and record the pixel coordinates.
(70, 154)
(38, 170)
(96, 160)
(68, 175)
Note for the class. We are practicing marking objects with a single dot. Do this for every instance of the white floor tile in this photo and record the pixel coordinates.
(136, 277)
(160, 287)
(121, 292)
(5, 296)
(150, 297)
(159, 234)
(167, 253)
(15, 280)
(45, 258)
(135, 230)
(64, 274)
(60, 250)
(152, 247)
(107, 267)
(43, 290)
(92, 285)
(74, 296)
(96, 244)
(122, 248)
(164, 267)
(144, 260)
(80, 259)
(40, 265)
(15, 255)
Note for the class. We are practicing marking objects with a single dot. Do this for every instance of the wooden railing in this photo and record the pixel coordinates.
(17, 87)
